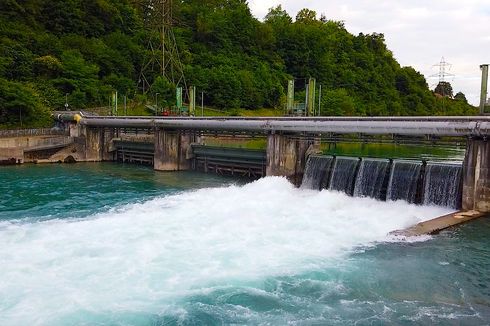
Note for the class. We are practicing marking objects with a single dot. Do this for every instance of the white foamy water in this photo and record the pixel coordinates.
(143, 258)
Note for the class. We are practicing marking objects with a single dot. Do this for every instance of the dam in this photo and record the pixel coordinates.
(289, 142)
(125, 243)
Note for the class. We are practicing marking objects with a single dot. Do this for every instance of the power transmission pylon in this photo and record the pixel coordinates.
(442, 74)
(443, 70)
(163, 54)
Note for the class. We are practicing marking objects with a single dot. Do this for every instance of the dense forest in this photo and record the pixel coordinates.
(83, 50)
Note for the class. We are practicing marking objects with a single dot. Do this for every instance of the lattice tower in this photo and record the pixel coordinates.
(163, 54)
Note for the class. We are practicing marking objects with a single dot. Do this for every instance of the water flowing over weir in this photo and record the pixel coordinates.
(371, 178)
(317, 172)
(344, 174)
(442, 185)
(383, 179)
(404, 180)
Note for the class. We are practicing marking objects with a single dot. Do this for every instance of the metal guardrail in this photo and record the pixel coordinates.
(33, 132)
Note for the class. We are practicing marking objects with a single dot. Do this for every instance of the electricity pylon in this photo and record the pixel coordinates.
(163, 54)
(444, 67)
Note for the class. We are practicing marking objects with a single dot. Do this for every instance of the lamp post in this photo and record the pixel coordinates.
(202, 104)
(66, 102)
(156, 103)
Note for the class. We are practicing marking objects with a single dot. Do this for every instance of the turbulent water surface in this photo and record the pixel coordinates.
(106, 244)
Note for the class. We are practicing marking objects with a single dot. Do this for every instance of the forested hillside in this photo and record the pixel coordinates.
(85, 49)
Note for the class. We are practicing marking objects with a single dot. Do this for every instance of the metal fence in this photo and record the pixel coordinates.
(33, 132)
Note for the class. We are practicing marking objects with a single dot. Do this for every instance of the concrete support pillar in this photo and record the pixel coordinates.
(286, 156)
(172, 150)
(93, 144)
(476, 176)
(98, 144)
(74, 129)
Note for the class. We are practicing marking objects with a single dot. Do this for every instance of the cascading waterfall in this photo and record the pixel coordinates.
(344, 174)
(404, 178)
(370, 181)
(317, 167)
(442, 184)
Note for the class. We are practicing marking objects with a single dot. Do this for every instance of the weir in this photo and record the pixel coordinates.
(291, 140)
(344, 173)
(404, 181)
(384, 179)
(317, 172)
(372, 179)
(442, 185)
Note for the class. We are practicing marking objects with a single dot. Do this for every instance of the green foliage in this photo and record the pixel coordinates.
(85, 50)
(444, 88)
(306, 16)
(461, 97)
(337, 103)
(20, 105)
(165, 90)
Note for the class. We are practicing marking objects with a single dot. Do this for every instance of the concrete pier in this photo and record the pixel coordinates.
(172, 150)
(286, 156)
(476, 176)
(98, 144)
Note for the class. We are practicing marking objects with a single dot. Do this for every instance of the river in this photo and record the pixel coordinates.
(113, 244)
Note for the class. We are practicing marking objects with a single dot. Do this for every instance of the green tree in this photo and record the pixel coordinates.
(306, 16)
(166, 92)
(278, 17)
(461, 97)
(444, 88)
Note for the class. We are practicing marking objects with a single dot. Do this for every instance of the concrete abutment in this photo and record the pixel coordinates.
(476, 176)
(286, 156)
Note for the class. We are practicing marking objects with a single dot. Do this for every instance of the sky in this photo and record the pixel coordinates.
(418, 32)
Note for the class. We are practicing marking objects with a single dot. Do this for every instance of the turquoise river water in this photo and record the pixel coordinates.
(109, 244)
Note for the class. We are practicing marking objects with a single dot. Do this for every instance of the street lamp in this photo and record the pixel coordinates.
(66, 102)
(156, 103)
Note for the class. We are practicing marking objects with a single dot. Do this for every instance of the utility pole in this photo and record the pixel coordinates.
(125, 108)
(156, 103)
(484, 87)
(202, 104)
(319, 100)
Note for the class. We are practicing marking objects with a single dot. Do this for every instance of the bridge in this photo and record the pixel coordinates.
(289, 140)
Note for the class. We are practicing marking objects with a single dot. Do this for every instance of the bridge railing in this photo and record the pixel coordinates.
(33, 132)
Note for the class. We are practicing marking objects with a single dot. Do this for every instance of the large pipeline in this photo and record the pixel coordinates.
(439, 126)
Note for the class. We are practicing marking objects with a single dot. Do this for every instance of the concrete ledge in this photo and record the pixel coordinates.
(11, 156)
(440, 223)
